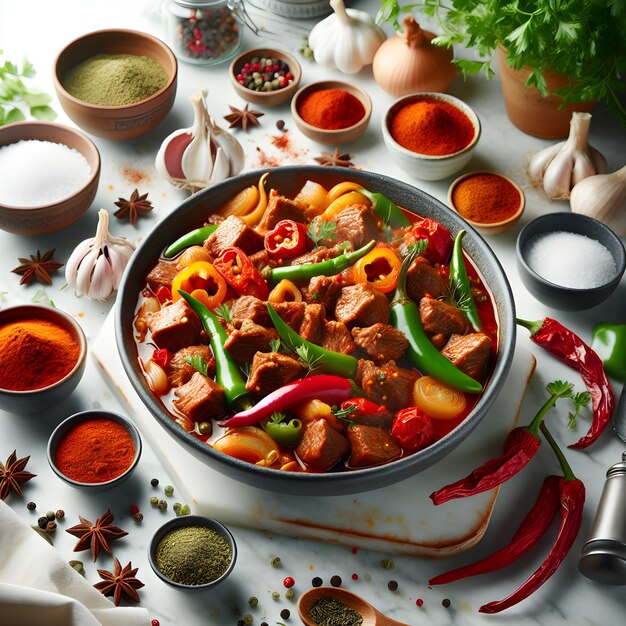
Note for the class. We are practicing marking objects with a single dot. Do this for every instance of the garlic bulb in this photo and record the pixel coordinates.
(558, 168)
(346, 40)
(409, 62)
(96, 266)
(198, 157)
(603, 197)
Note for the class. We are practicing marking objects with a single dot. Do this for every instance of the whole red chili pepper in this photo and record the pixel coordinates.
(287, 240)
(532, 528)
(241, 274)
(363, 406)
(162, 357)
(573, 351)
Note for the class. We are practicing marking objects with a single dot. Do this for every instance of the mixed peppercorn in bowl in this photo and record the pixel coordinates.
(316, 349)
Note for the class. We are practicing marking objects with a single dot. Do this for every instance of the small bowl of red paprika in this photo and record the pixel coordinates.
(431, 135)
(331, 111)
(42, 357)
(94, 450)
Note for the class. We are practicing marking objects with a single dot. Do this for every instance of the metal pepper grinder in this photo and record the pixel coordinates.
(604, 555)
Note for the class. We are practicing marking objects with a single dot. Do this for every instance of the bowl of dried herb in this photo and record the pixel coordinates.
(193, 552)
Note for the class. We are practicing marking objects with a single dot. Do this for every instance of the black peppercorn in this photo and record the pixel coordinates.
(335, 581)
(317, 582)
(392, 585)
(446, 603)
(60, 514)
(31, 506)
(280, 124)
(154, 482)
(240, 622)
(264, 624)
(42, 522)
(285, 613)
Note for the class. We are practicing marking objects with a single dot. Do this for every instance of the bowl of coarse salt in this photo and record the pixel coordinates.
(568, 261)
(49, 176)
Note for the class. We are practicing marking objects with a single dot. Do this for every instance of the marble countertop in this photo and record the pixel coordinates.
(39, 30)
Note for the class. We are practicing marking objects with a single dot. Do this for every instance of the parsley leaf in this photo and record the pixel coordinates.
(198, 363)
(560, 389)
(321, 231)
(223, 311)
(580, 400)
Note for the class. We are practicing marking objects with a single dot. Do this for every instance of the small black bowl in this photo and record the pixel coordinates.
(558, 296)
(182, 522)
(59, 432)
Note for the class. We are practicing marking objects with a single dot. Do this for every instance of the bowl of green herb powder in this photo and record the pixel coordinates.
(116, 84)
(193, 552)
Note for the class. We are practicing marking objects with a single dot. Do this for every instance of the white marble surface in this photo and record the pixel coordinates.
(39, 29)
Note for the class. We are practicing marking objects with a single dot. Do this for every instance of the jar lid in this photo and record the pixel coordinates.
(194, 4)
(618, 468)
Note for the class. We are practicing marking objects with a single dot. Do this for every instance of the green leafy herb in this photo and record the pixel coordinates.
(223, 311)
(583, 39)
(321, 231)
(344, 414)
(198, 363)
(277, 417)
(580, 400)
(308, 360)
(419, 246)
(16, 97)
(275, 345)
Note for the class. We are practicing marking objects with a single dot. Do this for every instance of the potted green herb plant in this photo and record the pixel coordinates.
(558, 55)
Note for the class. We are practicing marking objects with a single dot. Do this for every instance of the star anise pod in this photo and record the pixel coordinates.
(243, 117)
(38, 267)
(96, 536)
(132, 208)
(335, 159)
(12, 475)
(119, 581)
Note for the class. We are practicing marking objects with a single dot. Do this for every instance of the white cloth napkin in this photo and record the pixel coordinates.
(39, 588)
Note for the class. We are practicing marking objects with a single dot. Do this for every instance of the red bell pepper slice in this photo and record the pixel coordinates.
(440, 241)
(241, 274)
(163, 294)
(287, 240)
(363, 406)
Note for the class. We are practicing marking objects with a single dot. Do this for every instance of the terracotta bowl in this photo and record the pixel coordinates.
(492, 228)
(116, 122)
(332, 137)
(426, 166)
(266, 98)
(40, 399)
(46, 218)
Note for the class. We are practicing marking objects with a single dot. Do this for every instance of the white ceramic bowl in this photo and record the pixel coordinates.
(425, 166)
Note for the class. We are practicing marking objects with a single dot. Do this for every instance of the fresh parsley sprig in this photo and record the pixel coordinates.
(198, 363)
(321, 232)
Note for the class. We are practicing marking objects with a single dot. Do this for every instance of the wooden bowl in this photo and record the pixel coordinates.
(491, 228)
(266, 98)
(116, 122)
(341, 135)
(38, 220)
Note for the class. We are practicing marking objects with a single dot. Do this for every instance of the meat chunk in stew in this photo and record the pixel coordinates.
(321, 446)
(388, 384)
(281, 208)
(312, 327)
(382, 342)
(357, 224)
(292, 313)
(234, 232)
(272, 370)
(162, 274)
(439, 317)
(200, 399)
(324, 290)
(469, 353)
(371, 446)
(175, 326)
(244, 342)
(423, 279)
(361, 305)
(250, 308)
(180, 372)
(337, 338)
(260, 259)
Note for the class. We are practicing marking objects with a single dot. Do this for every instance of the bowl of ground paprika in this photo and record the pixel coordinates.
(42, 357)
(94, 450)
(331, 111)
(431, 135)
(490, 202)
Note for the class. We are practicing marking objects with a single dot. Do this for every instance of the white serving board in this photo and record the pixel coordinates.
(398, 519)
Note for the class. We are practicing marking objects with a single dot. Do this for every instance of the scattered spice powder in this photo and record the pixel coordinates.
(331, 109)
(134, 176)
(486, 198)
(432, 127)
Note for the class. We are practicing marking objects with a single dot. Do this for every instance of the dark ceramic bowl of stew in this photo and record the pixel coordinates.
(497, 311)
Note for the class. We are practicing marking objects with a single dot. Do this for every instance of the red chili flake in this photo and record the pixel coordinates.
(155, 622)
(419, 602)
(134, 509)
(355, 576)
(354, 550)
(289, 582)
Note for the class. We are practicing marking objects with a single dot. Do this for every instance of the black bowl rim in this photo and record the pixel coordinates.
(586, 222)
(84, 416)
(182, 522)
(428, 455)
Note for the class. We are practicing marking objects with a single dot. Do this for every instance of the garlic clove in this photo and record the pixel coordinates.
(541, 160)
(173, 153)
(101, 280)
(76, 258)
(85, 270)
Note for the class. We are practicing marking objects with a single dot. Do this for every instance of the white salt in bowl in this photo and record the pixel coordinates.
(47, 218)
(559, 296)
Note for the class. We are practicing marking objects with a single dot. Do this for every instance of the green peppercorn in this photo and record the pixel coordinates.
(275, 562)
(248, 619)
(387, 564)
(185, 510)
(177, 507)
(162, 505)
(78, 566)
(31, 506)
(253, 601)
(50, 515)
(169, 491)
(275, 595)
(289, 594)
(154, 501)
(42, 522)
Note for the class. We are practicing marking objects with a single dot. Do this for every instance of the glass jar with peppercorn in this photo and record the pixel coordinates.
(203, 32)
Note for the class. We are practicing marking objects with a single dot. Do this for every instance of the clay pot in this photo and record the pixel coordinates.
(531, 112)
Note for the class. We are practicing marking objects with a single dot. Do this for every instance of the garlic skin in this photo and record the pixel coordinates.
(603, 197)
(196, 158)
(346, 40)
(96, 266)
(560, 167)
(409, 62)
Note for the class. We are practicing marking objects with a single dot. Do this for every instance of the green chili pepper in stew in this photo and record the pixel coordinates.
(405, 317)
(194, 238)
(460, 285)
(285, 432)
(325, 360)
(228, 373)
(609, 341)
(389, 212)
(329, 267)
